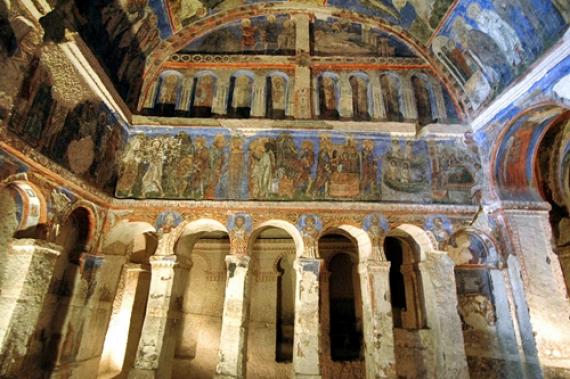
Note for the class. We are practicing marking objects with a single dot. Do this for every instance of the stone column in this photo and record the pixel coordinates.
(259, 96)
(345, 102)
(378, 111)
(302, 86)
(538, 287)
(117, 336)
(232, 354)
(156, 345)
(564, 257)
(409, 108)
(440, 295)
(29, 267)
(504, 325)
(379, 356)
(220, 101)
(307, 329)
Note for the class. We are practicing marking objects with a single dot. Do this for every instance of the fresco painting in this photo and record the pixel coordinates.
(287, 165)
(273, 34)
(335, 35)
(85, 139)
(166, 221)
(514, 169)
(486, 45)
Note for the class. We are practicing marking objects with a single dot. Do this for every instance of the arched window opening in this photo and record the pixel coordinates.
(423, 100)
(199, 294)
(276, 96)
(241, 96)
(271, 293)
(341, 309)
(168, 94)
(203, 96)
(285, 310)
(359, 86)
(66, 320)
(345, 336)
(406, 292)
(328, 97)
(391, 97)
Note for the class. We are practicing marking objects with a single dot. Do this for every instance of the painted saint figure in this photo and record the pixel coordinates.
(310, 237)
(238, 236)
(376, 234)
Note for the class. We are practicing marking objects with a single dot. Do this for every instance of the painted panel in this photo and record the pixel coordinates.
(294, 165)
(487, 44)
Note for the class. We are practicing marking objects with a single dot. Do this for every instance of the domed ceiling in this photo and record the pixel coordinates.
(476, 47)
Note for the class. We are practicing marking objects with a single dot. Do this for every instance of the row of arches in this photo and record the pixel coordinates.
(337, 96)
(200, 291)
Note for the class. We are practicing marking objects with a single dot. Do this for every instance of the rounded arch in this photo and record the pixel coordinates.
(489, 255)
(91, 217)
(193, 230)
(160, 55)
(135, 240)
(357, 235)
(514, 154)
(416, 234)
(31, 206)
(283, 225)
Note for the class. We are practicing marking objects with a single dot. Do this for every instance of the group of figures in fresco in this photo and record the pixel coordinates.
(295, 166)
(83, 137)
(486, 45)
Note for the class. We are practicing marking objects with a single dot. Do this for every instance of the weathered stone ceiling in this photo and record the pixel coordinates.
(482, 45)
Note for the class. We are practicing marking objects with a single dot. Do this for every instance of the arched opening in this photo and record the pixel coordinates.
(422, 94)
(328, 96)
(359, 86)
(276, 87)
(272, 304)
(404, 248)
(241, 95)
(65, 314)
(134, 242)
(168, 94)
(199, 294)
(341, 309)
(408, 310)
(391, 97)
(203, 95)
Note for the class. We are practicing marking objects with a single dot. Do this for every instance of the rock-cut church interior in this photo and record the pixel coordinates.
(312, 189)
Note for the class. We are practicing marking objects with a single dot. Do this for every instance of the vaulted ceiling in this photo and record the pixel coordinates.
(478, 47)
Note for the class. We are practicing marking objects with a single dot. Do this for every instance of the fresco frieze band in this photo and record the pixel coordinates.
(295, 165)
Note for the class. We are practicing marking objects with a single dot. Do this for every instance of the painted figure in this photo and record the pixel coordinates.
(377, 234)
(238, 235)
(310, 237)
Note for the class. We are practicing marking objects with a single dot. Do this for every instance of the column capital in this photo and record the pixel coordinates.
(374, 266)
(33, 246)
(163, 261)
(308, 264)
(240, 260)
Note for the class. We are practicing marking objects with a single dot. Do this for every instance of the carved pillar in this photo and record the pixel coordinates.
(505, 328)
(378, 111)
(409, 108)
(440, 295)
(345, 103)
(302, 86)
(307, 329)
(231, 363)
(157, 344)
(538, 289)
(441, 110)
(120, 325)
(220, 102)
(29, 267)
(379, 356)
(259, 96)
